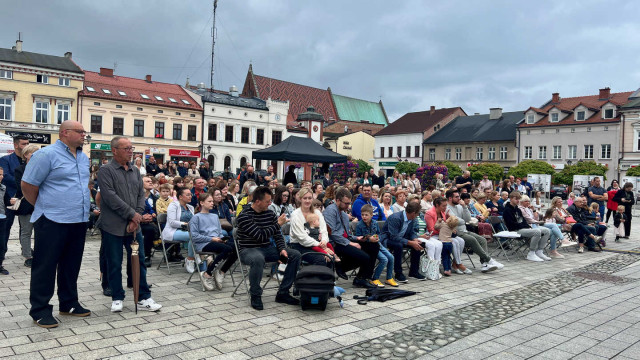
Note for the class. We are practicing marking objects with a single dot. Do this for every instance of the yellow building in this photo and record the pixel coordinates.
(37, 93)
(162, 120)
(359, 145)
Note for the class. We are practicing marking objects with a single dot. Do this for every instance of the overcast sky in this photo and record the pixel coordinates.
(410, 54)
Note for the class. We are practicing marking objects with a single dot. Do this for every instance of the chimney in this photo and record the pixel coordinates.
(148, 78)
(68, 54)
(495, 113)
(106, 72)
(433, 109)
(605, 94)
(19, 46)
(555, 98)
(233, 91)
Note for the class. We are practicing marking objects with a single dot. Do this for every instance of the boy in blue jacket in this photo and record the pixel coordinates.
(367, 228)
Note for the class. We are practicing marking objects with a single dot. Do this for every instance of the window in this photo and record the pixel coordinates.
(96, 104)
(432, 154)
(557, 152)
(588, 151)
(244, 135)
(178, 113)
(503, 153)
(43, 79)
(605, 151)
(5, 108)
(118, 126)
(122, 93)
(276, 137)
(572, 152)
(42, 112)
(186, 102)
(106, 91)
(160, 112)
(96, 124)
(177, 131)
(6, 74)
(118, 106)
(381, 151)
(192, 115)
(528, 152)
(479, 151)
(390, 151)
(458, 153)
(408, 151)
(192, 130)
(447, 154)
(89, 88)
(159, 98)
(416, 151)
(172, 100)
(399, 149)
(580, 115)
(138, 128)
(608, 114)
(530, 119)
(492, 153)
(144, 96)
(159, 130)
(228, 133)
(213, 132)
(542, 152)
(63, 112)
(555, 117)
(64, 81)
(260, 137)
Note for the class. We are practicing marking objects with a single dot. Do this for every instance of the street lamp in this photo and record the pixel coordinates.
(208, 149)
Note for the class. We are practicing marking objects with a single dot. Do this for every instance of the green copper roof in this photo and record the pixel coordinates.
(351, 109)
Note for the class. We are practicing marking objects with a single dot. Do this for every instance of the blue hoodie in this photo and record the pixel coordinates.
(378, 213)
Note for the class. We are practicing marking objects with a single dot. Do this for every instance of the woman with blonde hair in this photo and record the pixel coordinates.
(401, 198)
(138, 163)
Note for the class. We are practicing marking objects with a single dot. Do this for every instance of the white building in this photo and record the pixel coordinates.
(235, 126)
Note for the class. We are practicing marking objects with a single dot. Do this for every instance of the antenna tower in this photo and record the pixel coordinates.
(213, 39)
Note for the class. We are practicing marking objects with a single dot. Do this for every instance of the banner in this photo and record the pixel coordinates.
(539, 182)
(580, 182)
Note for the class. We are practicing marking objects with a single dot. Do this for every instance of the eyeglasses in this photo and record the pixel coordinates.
(81, 132)
(129, 148)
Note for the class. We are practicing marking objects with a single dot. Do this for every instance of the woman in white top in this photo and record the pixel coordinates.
(386, 203)
(426, 203)
(193, 171)
(140, 166)
(179, 213)
(401, 201)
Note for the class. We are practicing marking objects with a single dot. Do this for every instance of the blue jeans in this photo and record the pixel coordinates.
(447, 248)
(113, 252)
(556, 234)
(183, 236)
(385, 258)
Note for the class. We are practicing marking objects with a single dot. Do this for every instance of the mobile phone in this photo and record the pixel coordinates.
(283, 259)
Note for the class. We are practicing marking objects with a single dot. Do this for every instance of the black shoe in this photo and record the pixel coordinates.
(401, 278)
(129, 284)
(341, 274)
(3, 271)
(78, 310)
(256, 302)
(362, 283)
(594, 249)
(147, 261)
(47, 322)
(28, 262)
(417, 276)
(107, 292)
(286, 298)
(178, 257)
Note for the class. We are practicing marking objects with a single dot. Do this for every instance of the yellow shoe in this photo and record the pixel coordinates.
(377, 283)
(391, 282)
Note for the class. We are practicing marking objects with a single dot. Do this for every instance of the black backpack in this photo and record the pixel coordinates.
(315, 285)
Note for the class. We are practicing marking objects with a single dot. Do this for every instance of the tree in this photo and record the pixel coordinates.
(406, 167)
(532, 167)
(580, 168)
(634, 171)
(363, 166)
(453, 169)
(494, 170)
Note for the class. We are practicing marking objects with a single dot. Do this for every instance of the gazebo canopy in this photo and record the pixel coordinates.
(299, 149)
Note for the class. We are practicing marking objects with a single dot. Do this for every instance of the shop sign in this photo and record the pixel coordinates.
(184, 153)
(388, 163)
(33, 137)
(103, 147)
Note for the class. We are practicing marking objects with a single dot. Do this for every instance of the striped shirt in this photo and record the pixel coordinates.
(256, 229)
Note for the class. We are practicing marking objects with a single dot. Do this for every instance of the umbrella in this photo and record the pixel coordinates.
(135, 271)
(382, 295)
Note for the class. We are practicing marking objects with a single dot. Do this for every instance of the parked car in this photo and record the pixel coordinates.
(559, 190)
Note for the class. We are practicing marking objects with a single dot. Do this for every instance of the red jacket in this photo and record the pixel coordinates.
(611, 205)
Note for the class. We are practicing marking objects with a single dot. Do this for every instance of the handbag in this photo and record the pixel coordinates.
(434, 270)
(15, 206)
(224, 223)
(425, 260)
(473, 221)
(570, 220)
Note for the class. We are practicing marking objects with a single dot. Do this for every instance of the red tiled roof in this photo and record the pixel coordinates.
(416, 122)
(133, 88)
(568, 105)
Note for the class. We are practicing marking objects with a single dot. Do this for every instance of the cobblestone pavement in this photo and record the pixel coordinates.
(585, 306)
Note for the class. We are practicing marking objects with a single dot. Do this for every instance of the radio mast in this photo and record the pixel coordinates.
(213, 40)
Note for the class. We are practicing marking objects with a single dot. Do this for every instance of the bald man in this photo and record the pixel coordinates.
(56, 182)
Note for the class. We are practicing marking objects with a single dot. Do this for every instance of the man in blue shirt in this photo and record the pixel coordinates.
(56, 182)
(399, 232)
(598, 195)
(363, 199)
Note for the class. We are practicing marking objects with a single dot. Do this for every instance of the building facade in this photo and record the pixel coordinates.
(473, 139)
(357, 145)
(162, 120)
(630, 137)
(37, 93)
(568, 130)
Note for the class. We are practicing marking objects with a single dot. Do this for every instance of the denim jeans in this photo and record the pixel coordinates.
(556, 234)
(385, 258)
(113, 252)
(447, 248)
(183, 236)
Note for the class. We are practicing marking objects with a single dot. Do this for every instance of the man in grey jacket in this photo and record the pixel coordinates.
(121, 208)
(474, 241)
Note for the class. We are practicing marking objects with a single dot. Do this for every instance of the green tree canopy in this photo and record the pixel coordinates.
(532, 167)
(580, 168)
(494, 170)
(363, 166)
(406, 167)
(634, 171)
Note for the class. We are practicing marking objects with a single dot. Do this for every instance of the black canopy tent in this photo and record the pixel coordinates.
(299, 149)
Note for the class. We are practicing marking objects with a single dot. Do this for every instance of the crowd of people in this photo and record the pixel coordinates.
(368, 224)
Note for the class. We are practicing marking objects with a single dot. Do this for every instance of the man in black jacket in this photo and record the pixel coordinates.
(515, 221)
(584, 226)
(249, 175)
(152, 166)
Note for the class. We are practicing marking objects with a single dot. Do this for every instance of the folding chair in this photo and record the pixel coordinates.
(245, 273)
(162, 220)
(198, 255)
(503, 243)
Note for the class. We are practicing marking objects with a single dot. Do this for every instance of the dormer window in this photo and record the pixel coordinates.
(580, 115)
(144, 96)
(608, 113)
(530, 119)
(554, 117)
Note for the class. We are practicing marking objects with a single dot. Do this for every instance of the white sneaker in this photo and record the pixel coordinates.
(542, 256)
(486, 267)
(533, 257)
(116, 306)
(190, 265)
(149, 305)
(207, 282)
(278, 276)
(496, 264)
(218, 277)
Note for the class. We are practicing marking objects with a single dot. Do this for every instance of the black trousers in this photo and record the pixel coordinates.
(149, 235)
(627, 223)
(226, 251)
(364, 258)
(396, 251)
(57, 249)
